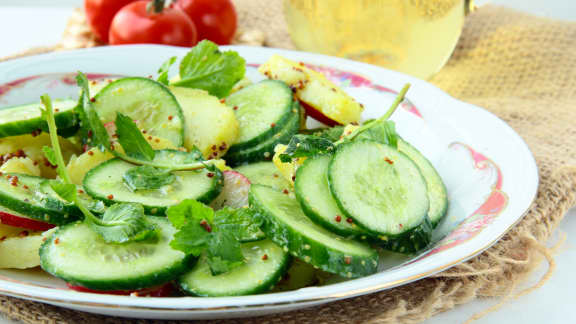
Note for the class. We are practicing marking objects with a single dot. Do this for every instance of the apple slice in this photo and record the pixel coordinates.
(234, 192)
(322, 99)
(165, 290)
(12, 218)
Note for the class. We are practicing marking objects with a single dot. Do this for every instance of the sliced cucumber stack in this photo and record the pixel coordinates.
(436, 189)
(149, 103)
(76, 254)
(105, 182)
(265, 265)
(313, 192)
(22, 193)
(265, 149)
(286, 224)
(262, 110)
(264, 173)
(380, 188)
(26, 119)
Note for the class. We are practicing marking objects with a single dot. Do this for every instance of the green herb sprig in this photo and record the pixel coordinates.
(381, 130)
(120, 223)
(216, 234)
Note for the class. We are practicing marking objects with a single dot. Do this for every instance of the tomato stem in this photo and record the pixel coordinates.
(156, 6)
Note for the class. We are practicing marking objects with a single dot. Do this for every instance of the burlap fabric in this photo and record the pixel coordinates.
(521, 68)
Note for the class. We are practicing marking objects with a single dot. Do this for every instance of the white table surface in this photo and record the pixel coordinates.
(551, 304)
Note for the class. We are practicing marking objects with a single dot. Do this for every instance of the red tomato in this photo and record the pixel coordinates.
(215, 20)
(133, 24)
(99, 14)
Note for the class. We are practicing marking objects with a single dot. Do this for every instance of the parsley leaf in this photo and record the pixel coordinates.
(91, 126)
(193, 219)
(380, 131)
(224, 253)
(164, 69)
(241, 223)
(200, 231)
(123, 223)
(147, 177)
(192, 238)
(206, 67)
(188, 210)
(306, 146)
(131, 138)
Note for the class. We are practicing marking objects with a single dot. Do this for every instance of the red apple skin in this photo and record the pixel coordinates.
(22, 222)
(165, 290)
(318, 115)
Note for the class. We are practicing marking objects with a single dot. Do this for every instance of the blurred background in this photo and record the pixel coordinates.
(41, 22)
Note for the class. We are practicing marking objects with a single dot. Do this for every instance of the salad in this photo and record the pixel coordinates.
(207, 184)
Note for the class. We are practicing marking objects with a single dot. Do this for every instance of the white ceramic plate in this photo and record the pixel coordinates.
(489, 171)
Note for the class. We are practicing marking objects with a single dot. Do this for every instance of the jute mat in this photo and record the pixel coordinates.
(520, 67)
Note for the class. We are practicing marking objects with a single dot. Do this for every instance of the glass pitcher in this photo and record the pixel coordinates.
(411, 36)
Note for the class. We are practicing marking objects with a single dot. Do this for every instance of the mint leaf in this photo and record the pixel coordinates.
(306, 146)
(206, 67)
(331, 133)
(224, 253)
(164, 69)
(91, 128)
(122, 223)
(241, 223)
(131, 139)
(380, 131)
(194, 223)
(147, 177)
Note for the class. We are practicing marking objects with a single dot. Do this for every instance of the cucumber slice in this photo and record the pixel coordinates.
(286, 224)
(265, 264)
(313, 192)
(380, 188)
(436, 189)
(262, 110)
(76, 254)
(264, 173)
(411, 241)
(23, 195)
(265, 150)
(149, 103)
(25, 119)
(105, 182)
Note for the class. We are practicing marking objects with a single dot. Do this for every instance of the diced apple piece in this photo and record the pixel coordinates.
(322, 99)
(26, 247)
(23, 165)
(211, 126)
(287, 169)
